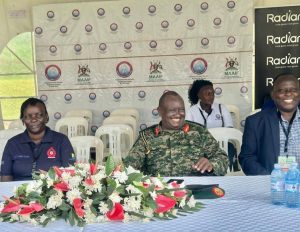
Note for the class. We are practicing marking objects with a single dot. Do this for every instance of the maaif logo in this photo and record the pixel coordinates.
(52, 72)
(83, 73)
(231, 66)
(155, 71)
(199, 66)
(124, 69)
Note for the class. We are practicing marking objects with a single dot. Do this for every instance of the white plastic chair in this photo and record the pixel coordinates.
(17, 124)
(87, 114)
(235, 114)
(5, 135)
(117, 138)
(223, 135)
(84, 146)
(127, 111)
(122, 119)
(72, 126)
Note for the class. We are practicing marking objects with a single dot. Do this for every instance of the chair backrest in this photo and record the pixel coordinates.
(5, 135)
(224, 135)
(85, 147)
(87, 114)
(1, 118)
(122, 119)
(17, 124)
(127, 111)
(235, 114)
(117, 139)
(72, 126)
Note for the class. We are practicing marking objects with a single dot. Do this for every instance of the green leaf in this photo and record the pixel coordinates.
(121, 189)
(64, 206)
(137, 177)
(98, 198)
(51, 173)
(33, 196)
(151, 203)
(93, 210)
(110, 165)
(136, 214)
(71, 218)
(111, 186)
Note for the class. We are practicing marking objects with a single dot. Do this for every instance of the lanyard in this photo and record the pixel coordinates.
(286, 131)
(204, 119)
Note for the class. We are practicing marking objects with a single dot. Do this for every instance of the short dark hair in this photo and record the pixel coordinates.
(284, 74)
(166, 94)
(195, 88)
(31, 102)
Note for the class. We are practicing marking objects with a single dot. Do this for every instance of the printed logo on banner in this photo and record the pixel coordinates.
(124, 70)
(287, 18)
(44, 98)
(83, 74)
(57, 115)
(92, 97)
(231, 66)
(199, 66)
(142, 95)
(285, 40)
(68, 98)
(52, 73)
(106, 113)
(155, 71)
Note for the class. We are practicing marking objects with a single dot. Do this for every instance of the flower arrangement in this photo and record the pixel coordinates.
(90, 193)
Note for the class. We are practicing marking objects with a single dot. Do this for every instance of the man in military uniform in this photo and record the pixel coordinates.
(176, 147)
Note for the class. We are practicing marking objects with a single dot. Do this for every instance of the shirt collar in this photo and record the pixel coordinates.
(48, 137)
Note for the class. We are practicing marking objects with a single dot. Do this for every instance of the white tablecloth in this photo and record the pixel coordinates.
(246, 206)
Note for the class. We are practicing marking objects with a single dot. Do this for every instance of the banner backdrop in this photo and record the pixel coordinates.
(105, 55)
(277, 50)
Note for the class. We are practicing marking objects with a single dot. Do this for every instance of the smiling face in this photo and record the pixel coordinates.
(35, 118)
(286, 93)
(172, 112)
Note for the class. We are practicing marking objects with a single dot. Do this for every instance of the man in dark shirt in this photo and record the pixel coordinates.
(37, 148)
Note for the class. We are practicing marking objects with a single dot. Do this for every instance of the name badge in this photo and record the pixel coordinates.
(285, 161)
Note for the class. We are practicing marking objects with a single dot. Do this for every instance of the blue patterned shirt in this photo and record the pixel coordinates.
(293, 138)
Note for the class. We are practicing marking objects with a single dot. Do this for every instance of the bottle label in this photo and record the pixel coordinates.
(291, 187)
(277, 186)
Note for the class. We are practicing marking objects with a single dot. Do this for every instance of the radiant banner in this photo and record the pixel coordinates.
(277, 37)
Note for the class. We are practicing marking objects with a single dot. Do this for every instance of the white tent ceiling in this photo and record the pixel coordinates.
(16, 15)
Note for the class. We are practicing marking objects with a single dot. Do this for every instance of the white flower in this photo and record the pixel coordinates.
(66, 176)
(182, 203)
(132, 189)
(153, 195)
(15, 190)
(132, 203)
(103, 207)
(130, 170)
(157, 182)
(54, 200)
(34, 186)
(149, 212)
(14, 217)
(72, 194)
(192, 202)
(121, 176)
(43, 218)
(49, 183)
(99, 176)
(89, 216)
(74, 181)
(114, 197)
(174, 212)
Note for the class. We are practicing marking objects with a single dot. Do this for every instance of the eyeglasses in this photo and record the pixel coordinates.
(285, 91)
(37, 116)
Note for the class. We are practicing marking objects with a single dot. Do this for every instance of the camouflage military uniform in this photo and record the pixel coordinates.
(173, 152)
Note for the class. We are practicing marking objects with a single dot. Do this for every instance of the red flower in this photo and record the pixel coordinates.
(62, 186)
(12, 206)
(145, 185)
(164, 203)
(78, 204)
(186, 128)
(59, 171)
(93, 168)
(116, 213)
(178, 193)
(156, 131)
(117, 168)
(89, 181)
(29, 209)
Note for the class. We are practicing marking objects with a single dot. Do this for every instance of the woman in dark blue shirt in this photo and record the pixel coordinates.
(37, 148)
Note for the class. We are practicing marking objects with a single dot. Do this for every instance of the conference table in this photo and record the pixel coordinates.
(246, 206)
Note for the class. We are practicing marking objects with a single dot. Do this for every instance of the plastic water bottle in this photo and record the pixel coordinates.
(277, 185)
(291, 186)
